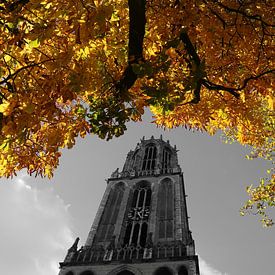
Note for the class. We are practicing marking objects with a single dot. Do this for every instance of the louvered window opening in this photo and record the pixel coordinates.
(166, 210)
(149, 160)
(137, 223)
(109, 217)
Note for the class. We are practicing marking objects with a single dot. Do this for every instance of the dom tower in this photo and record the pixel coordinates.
(141, 226)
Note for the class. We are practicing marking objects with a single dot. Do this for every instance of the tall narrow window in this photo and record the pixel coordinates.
(166, 160)
(136, 160)
(110, 214)
(166, 209)
(149, 160)
(137, 223)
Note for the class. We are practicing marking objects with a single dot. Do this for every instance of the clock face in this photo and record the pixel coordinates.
(139, 213)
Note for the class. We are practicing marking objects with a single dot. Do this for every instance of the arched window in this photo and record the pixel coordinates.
(87, 272)
(110, 214)
(137, 223)
(166, 160)
(149, 160)
(163, 271)
(166, 209)
(183, 270)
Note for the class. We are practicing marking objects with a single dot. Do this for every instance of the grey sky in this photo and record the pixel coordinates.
(40, 218)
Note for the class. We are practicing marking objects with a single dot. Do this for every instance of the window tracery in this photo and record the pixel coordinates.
(149, 160)
(138, 215)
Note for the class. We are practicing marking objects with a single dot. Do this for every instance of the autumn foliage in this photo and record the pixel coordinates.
(68, 68)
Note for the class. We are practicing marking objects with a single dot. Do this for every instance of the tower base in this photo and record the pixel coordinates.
(187, 266)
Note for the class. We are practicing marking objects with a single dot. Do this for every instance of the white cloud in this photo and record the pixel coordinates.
(35, 229)
(207, 269)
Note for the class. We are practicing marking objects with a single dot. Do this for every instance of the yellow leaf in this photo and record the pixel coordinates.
(271, 102)
(48, 171)
(34, 43)
(7, 107)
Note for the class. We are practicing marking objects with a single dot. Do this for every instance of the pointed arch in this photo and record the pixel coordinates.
(143, 184)
(125, 268)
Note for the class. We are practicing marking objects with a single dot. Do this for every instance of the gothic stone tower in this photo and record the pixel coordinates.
(141, 226)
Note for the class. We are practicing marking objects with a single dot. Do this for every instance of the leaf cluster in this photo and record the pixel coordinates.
(92, 66)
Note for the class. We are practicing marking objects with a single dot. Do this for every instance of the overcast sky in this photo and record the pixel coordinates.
(39, 219)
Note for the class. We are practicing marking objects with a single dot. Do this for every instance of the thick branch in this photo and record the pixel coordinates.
(135, 45)
(189, 47)
(212, 86)
(194, 56)
(136, 29)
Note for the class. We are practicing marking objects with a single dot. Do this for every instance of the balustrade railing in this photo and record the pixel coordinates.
(133, 173)
(90, 255)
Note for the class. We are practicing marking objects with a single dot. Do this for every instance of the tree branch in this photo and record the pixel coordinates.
(256, 17)
(135, 45)
(189, 47)
(194, 56)
(212, 86)
(208, 84)
(234, 91)
(10, 76)
(254, 78)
